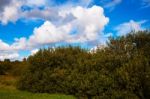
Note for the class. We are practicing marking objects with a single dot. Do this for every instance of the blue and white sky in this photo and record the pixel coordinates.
(28, 25)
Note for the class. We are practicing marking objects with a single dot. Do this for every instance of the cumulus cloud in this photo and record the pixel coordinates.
(127, 27)
(48, 13)
(3, 3)
(88, 23)
(4, 46)
(34, 51)
(36, 2)
(10, 12)
(69, 24)
(7, 55)
(6, 52)
(49, 33)
(19, 44)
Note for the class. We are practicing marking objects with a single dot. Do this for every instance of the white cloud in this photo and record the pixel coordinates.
(10, 12)
(49, 33)
(48, 13)
(36, 2)
(8, 55)
(34, 51)
(96, 48)
(4, 46)
(3, 3)
(127, 27)
(13, 10)
(19, 44)
(7, 52)
(88, 24)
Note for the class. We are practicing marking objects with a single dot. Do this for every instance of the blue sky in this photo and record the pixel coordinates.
(27, 25)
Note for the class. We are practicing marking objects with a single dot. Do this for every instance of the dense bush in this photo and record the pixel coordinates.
(18, 67)
(5, 66)
(121, 70)
(13, 68)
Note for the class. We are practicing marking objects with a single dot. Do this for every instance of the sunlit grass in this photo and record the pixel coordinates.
(9, 91)
(16, 94)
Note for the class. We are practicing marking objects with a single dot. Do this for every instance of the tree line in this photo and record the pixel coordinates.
(121, 70)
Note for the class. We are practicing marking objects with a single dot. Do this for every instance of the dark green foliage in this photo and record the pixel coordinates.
(119, 71)
(18, 67)
(5, 66)
(13, 68)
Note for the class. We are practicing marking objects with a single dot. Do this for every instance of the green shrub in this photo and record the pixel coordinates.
(119, 71)
(5, 66)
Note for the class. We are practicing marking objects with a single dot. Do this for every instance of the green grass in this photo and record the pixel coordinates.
(9, 91)
(16, 94)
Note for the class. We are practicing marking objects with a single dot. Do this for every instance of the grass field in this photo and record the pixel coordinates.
(15, 94)
(9, 91)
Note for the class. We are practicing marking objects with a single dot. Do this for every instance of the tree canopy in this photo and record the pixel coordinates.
(121, 70)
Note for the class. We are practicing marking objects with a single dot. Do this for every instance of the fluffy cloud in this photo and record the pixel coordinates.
(34, 51)
(4, 46)
(48, 13)
(88, 23)
(49, 33)
(6, 52)
(3, 3)
(127, 27)
(84, 25)
(69, 24)
(36, 2)
(7, 55)
(19, 44)
(10, 12)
